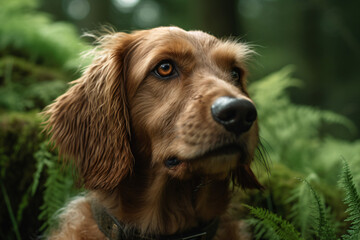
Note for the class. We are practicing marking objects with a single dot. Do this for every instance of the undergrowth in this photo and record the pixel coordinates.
(38, 57)
(59, 184)
(268, 225)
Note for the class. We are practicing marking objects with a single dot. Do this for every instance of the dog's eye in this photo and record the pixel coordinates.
(236, 74)
(165, 69)
(172, 162)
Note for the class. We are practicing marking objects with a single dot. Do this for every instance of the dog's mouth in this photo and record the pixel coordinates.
(228, 149)
(221, 152)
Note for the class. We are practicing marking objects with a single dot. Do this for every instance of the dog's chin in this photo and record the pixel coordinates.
(216, 165)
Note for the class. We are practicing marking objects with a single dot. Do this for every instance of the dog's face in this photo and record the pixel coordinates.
(173, 100)
(183, 79)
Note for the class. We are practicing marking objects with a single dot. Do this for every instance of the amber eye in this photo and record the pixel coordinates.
(165, 69)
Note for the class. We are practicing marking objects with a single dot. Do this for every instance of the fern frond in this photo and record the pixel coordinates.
(261, 231)
(59, 185)
(352, 200)
(325, 231)
(281, 79)
(282, 228)
(301, 214)
(42, 156)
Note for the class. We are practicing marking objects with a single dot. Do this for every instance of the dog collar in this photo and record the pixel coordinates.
(115, 230)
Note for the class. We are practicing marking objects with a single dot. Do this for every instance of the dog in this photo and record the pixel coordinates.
(159, 127)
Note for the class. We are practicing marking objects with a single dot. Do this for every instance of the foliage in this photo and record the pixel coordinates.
(324, 230)
(293, 136)
(301, 214)
(352, 200)
(59, 185)
(27, 86)
(269, 225)
(37, 56)
(294, 130)
(19, 138)
(32, 35)
(44, 183)
(25, 159)
(10, 210)
(280, 228)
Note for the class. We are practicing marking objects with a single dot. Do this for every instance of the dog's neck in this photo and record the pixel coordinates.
(163, 205)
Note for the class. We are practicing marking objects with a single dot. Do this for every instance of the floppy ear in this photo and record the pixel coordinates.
(90, 122)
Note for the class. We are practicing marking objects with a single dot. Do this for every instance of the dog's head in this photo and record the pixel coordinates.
(163, 99)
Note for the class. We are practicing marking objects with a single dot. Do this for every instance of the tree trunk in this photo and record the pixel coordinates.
(218, 17)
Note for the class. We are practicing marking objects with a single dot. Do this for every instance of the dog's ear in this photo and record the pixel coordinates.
(244, 177)
(90, 122)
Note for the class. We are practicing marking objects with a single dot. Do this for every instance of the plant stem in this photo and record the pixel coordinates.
(12, 217)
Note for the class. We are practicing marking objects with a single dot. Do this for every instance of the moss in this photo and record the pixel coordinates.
(19, 138)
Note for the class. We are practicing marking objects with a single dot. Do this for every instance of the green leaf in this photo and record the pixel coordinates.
(325, 231)
(280, 228)
(352, 200)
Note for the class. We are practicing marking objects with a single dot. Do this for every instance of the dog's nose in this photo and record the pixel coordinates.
(236, 114)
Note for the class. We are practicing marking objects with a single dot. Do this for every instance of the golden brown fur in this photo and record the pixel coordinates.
(120, 123)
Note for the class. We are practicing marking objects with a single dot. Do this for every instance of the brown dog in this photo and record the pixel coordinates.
(159, 125)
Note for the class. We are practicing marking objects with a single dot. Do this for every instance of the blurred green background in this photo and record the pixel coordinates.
(307, 125)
